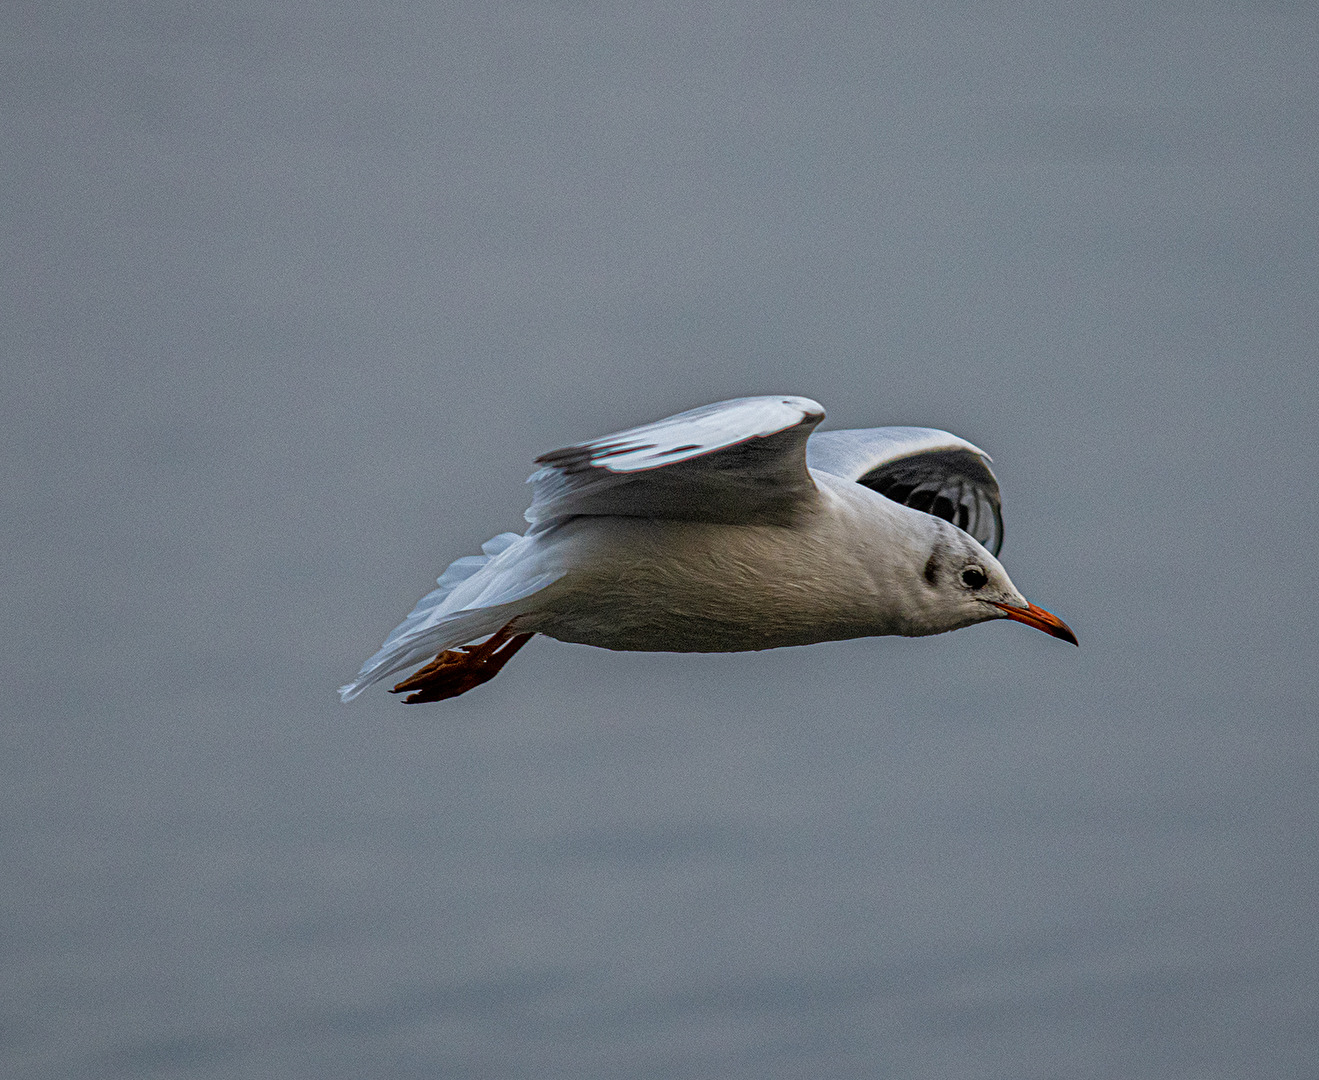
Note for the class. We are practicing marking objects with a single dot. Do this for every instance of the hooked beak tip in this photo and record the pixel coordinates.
(1040, 619)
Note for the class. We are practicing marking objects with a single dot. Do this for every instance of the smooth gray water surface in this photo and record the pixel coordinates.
(295, 293)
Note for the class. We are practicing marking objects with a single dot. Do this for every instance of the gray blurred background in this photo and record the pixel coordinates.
(292, 295)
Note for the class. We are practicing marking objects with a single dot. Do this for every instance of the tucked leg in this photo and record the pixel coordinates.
(455, 672)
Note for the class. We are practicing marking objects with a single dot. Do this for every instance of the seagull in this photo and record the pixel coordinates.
(732, 527)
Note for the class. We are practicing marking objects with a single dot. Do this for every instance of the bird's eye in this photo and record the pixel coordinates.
(974, 578)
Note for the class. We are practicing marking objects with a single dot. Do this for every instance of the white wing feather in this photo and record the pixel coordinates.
(735, 461)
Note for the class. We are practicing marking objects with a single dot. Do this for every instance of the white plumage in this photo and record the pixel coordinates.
(726, 528)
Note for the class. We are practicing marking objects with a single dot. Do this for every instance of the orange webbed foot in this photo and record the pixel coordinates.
(455, 672)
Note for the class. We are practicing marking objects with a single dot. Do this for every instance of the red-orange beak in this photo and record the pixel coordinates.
(1040, 619)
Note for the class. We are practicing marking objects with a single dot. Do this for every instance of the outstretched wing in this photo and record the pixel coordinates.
(736, 462)
(922, 468)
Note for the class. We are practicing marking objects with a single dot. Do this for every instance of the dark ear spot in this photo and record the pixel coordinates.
(932, 569)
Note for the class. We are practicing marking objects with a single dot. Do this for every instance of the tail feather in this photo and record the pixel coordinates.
(457, 572)
(497, 545)
(460, 609)
(446, 633)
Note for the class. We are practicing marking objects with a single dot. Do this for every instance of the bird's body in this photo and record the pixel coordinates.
(731, 588)
(720, 530)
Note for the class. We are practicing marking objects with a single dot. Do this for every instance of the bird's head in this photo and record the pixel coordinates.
(967, 585)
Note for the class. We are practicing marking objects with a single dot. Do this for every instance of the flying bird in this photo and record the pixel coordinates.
(727, 528)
